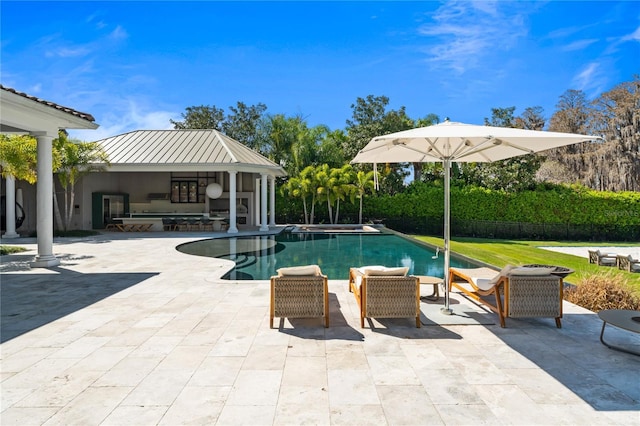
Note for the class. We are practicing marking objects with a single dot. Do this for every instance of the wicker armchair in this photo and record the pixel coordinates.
(517, 292)
(385, 296)
(299, 295)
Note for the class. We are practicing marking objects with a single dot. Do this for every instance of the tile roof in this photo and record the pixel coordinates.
(181, 147)
(54, 105)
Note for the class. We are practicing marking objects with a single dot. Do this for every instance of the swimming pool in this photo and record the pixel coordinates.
(258, 257)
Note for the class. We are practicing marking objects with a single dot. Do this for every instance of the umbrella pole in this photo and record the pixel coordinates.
(446, 310)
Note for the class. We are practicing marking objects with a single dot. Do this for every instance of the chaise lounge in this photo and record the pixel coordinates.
(602, 259)
(513, 292)
(385, 293)
(628, 263)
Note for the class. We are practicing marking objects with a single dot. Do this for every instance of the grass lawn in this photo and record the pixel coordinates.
(502, 252)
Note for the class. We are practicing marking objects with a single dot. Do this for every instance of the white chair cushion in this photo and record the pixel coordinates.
(395, 272)
(503, 273)
(531, 271)
(299, 271)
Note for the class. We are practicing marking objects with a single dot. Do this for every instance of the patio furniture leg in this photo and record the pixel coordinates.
(615, 348)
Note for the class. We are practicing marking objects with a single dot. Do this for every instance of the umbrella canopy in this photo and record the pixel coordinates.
(448, 142)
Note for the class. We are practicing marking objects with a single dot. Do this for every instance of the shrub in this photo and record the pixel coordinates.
(11, 249)
(603, 291)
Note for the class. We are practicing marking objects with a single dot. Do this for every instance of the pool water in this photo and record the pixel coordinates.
(258, 257)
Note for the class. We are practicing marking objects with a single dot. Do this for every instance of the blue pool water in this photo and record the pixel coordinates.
(258, 257)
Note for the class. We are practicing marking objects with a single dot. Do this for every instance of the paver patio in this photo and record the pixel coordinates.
(129, 331)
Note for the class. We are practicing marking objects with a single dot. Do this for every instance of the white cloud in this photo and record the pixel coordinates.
(125, 116)
(579, 45)
(466, 33)
(590, 79)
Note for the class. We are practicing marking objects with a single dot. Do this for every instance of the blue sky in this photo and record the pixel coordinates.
(135, 65)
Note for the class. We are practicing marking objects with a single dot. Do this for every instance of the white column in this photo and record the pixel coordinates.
(233, 228)
(256, 202)
(263, 204)
(44, 208)
(272, 201)
(10, 205)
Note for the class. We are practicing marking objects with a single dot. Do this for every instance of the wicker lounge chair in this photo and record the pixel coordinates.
(381, 295)
(628, 263)
(299, 292)
(602, 259)
(513, 292)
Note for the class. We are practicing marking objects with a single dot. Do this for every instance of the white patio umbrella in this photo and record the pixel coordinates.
(449, 142)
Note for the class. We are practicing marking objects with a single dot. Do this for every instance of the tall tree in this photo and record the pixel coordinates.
(18, 157)
(568, 164)
(616, 162)
(514, 174)
(242, 124)
(200, 117)
(371, 118)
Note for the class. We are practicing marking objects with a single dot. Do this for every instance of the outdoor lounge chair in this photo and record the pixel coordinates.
(513, 292)
(385, 293)
(299, 292)
(628, 263)
(602, 259)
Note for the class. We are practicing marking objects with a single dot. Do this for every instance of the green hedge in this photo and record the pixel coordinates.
(549, 212)
(559, 205)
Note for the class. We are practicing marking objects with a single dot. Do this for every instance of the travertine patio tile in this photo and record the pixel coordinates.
(306, 347)
(247, 415)
(233, 343)
(347, 357)
(426, 356)
(195, 405)
(156, 346)
(511, 405)
(305, 371)
(217, 371)
(392, 370)
(142, 415)
(90, 407)
(540, 387)
(448, 386)
(130, 371)
(312, 396)
(184, 358)
(352, 387)
(160, 387)
(479, 370)
(131, 337)
(61, 389)
(39, 374)
(467, 414)
(24, 358)
(256, 387)
(265, 358)
(408, 405)
(362, 415)
(23, 416)
(302, 414)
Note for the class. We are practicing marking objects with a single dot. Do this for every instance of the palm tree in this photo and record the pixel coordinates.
(364, 183)
(76, 159)
(309, 185)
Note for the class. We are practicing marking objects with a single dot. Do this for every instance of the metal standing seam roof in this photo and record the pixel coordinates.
(176, 149)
